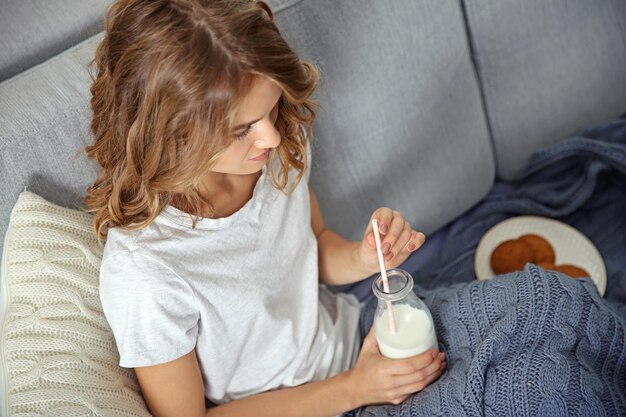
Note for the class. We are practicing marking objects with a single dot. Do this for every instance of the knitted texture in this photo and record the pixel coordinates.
(58, 354)
(531, 343)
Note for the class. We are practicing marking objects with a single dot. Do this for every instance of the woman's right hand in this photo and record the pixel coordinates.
(375, 379)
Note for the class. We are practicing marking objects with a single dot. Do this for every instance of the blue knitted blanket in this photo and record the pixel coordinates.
(533, 343)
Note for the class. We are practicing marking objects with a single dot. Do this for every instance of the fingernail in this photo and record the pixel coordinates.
(441, 355)
(386, 248)
(434, 354)
(383, 228)
(411, 247)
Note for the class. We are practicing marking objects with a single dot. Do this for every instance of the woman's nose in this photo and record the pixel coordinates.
(269, 137)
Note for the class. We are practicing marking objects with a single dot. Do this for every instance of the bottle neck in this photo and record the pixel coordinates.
(400, 285)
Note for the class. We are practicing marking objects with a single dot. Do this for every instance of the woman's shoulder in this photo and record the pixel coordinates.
(127, 267)
(119, 240)
(133, 248)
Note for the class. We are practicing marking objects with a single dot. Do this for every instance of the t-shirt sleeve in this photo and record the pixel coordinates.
(151, 310)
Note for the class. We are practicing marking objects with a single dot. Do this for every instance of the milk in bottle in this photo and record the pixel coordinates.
(415, 331)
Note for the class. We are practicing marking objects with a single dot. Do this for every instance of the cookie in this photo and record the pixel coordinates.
(542, 249)
(572, 271)
(511, 255)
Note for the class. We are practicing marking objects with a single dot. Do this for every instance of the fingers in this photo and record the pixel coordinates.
(398, 225)
(414, 363)
(415, 242)
(396, 233)
(408, 384)
(384, 215)
(383, 380)
(401, 242)
(406, 390)
(399, 237)
(423, 383)
(432, 368)
(432, 377)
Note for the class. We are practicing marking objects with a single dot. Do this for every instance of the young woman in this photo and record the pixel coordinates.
(215, 245)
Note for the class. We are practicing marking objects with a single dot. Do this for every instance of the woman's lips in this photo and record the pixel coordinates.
(261, 157)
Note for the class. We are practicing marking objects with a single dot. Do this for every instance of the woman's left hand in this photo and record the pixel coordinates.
(398, 240)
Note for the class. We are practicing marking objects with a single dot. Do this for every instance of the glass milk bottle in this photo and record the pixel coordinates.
(415, 331)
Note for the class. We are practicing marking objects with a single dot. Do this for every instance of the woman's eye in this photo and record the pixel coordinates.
(243, 134)
(273, 117)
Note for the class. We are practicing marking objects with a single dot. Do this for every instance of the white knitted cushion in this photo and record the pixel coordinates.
(57, 351)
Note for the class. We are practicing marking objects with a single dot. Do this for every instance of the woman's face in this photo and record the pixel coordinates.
(255, 132)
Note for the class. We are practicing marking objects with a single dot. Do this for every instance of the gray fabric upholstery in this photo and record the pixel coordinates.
(547, 68)
(44, 122)
(402, 123)
(32, 31)
(390, 96)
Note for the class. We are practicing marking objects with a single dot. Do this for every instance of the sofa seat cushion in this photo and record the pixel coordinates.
(57, 350)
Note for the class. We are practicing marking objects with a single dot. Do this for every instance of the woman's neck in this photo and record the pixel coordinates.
(224, 194)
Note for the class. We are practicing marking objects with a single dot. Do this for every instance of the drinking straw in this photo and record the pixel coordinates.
(383, 273)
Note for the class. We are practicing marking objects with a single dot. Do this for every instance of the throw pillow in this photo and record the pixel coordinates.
(57, 353)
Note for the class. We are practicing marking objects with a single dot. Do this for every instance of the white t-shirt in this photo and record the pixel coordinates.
(243, 290)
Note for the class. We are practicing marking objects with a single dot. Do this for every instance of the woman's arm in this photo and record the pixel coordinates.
(343, 262)
(176, 388)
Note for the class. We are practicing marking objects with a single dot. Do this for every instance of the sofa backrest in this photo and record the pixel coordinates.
(402, 123)
(547, 68)
(33, 31)
(44, 122)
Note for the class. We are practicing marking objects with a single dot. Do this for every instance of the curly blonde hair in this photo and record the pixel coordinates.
(167, 81)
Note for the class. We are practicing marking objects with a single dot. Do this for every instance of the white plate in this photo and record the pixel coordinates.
(570, 246)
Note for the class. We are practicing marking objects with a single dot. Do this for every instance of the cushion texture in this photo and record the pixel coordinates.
(57, 348)
(32, 31)
(402, 123)
(547, 68)
(44, 122)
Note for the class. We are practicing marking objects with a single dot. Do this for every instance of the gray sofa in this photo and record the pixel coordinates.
(425, 104)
